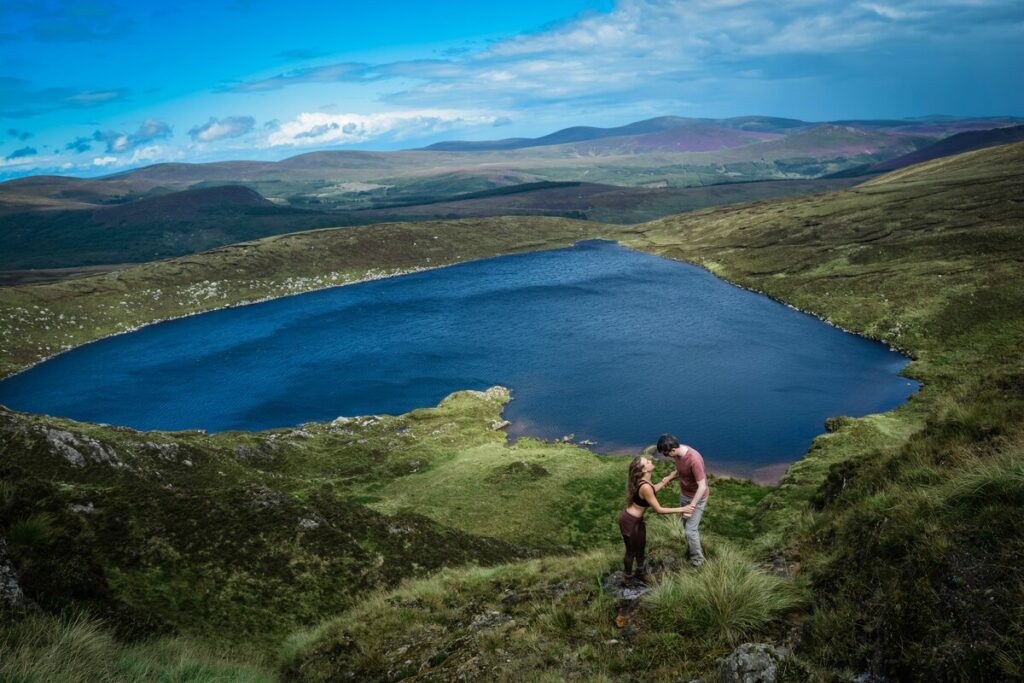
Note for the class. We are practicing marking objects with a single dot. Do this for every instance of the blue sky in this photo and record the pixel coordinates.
(95, 86)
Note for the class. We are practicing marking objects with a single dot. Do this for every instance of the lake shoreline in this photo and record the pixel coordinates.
(602, 254)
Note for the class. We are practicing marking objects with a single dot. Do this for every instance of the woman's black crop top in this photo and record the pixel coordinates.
(638, 499)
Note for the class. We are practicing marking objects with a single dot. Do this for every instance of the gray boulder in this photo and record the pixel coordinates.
(752, 663)
(10, 591)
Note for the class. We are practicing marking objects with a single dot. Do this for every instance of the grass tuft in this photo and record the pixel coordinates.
(79, 649)
(33, 529)
(724, 602)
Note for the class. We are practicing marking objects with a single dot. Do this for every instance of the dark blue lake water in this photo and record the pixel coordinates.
(609, 344)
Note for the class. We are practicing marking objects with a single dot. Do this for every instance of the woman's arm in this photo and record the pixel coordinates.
(647, 492)
(666, 481)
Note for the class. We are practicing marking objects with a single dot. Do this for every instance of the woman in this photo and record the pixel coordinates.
(639, 496)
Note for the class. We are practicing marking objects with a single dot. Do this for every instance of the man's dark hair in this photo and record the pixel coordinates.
(667, 443)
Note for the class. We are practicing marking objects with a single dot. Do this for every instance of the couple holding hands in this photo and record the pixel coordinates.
(640, 495)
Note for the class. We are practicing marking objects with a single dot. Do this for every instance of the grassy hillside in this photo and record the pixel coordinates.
(894, 548)
(186, 222)
(914, 539)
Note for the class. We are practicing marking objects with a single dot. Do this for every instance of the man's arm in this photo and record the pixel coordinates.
(666, 481)
(702, 488)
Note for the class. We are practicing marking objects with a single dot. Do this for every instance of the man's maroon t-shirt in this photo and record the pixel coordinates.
(690, 467)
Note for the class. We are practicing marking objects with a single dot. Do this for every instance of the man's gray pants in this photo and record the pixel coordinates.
(691, 528)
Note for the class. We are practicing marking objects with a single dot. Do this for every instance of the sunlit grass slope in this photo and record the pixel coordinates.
(548, 620)
(237, 536)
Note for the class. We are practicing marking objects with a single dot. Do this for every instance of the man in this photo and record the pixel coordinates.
(693, 490)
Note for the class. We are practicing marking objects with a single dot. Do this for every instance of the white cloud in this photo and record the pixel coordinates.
(228, 127)
(318, 128)
(104, 161)
(151, 154)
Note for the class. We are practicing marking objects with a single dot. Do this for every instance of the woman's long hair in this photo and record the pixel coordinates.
(636, 475)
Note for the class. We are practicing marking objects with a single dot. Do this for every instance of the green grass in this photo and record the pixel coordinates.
(725, 601)
(547, 619)
(79, 649)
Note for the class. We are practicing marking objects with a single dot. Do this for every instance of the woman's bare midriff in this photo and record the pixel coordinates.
(635, 510)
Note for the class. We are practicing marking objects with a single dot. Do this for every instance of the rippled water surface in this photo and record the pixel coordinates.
(596, 340)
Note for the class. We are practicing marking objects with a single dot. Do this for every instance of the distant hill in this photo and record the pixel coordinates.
(954, 144)
(754, 124)
(188, 205)
(697, 138)
(152, 228)
(634, 172)
(185, 222)
(925, 126)
(561, 137)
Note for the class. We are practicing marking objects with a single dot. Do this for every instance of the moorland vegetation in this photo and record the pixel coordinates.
(893, 549)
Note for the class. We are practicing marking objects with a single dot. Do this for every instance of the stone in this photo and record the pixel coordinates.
(10, 592)
(80, 450)
(489, 619)
(164, 451)
(614, 584)
(752, 663)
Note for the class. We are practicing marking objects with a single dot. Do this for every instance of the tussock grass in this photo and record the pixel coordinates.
(724, 601)
(79, 649)
(666, 533)
(998, 479)
(33, 529)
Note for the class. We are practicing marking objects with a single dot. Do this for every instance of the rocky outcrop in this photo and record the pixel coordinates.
(752, 663)
(79, 450)
(11, 595)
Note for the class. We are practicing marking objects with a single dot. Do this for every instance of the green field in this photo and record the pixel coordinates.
(894, 547)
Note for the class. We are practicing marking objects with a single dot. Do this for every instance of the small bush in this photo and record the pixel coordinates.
(724, 601)
(32, 529)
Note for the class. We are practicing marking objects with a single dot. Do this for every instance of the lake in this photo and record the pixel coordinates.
(608, 344)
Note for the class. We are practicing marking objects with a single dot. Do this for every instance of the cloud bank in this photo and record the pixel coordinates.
(23, 100)
(670, 50)
(317, 128)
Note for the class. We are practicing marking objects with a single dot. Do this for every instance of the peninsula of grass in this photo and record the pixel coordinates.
(896, 541)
